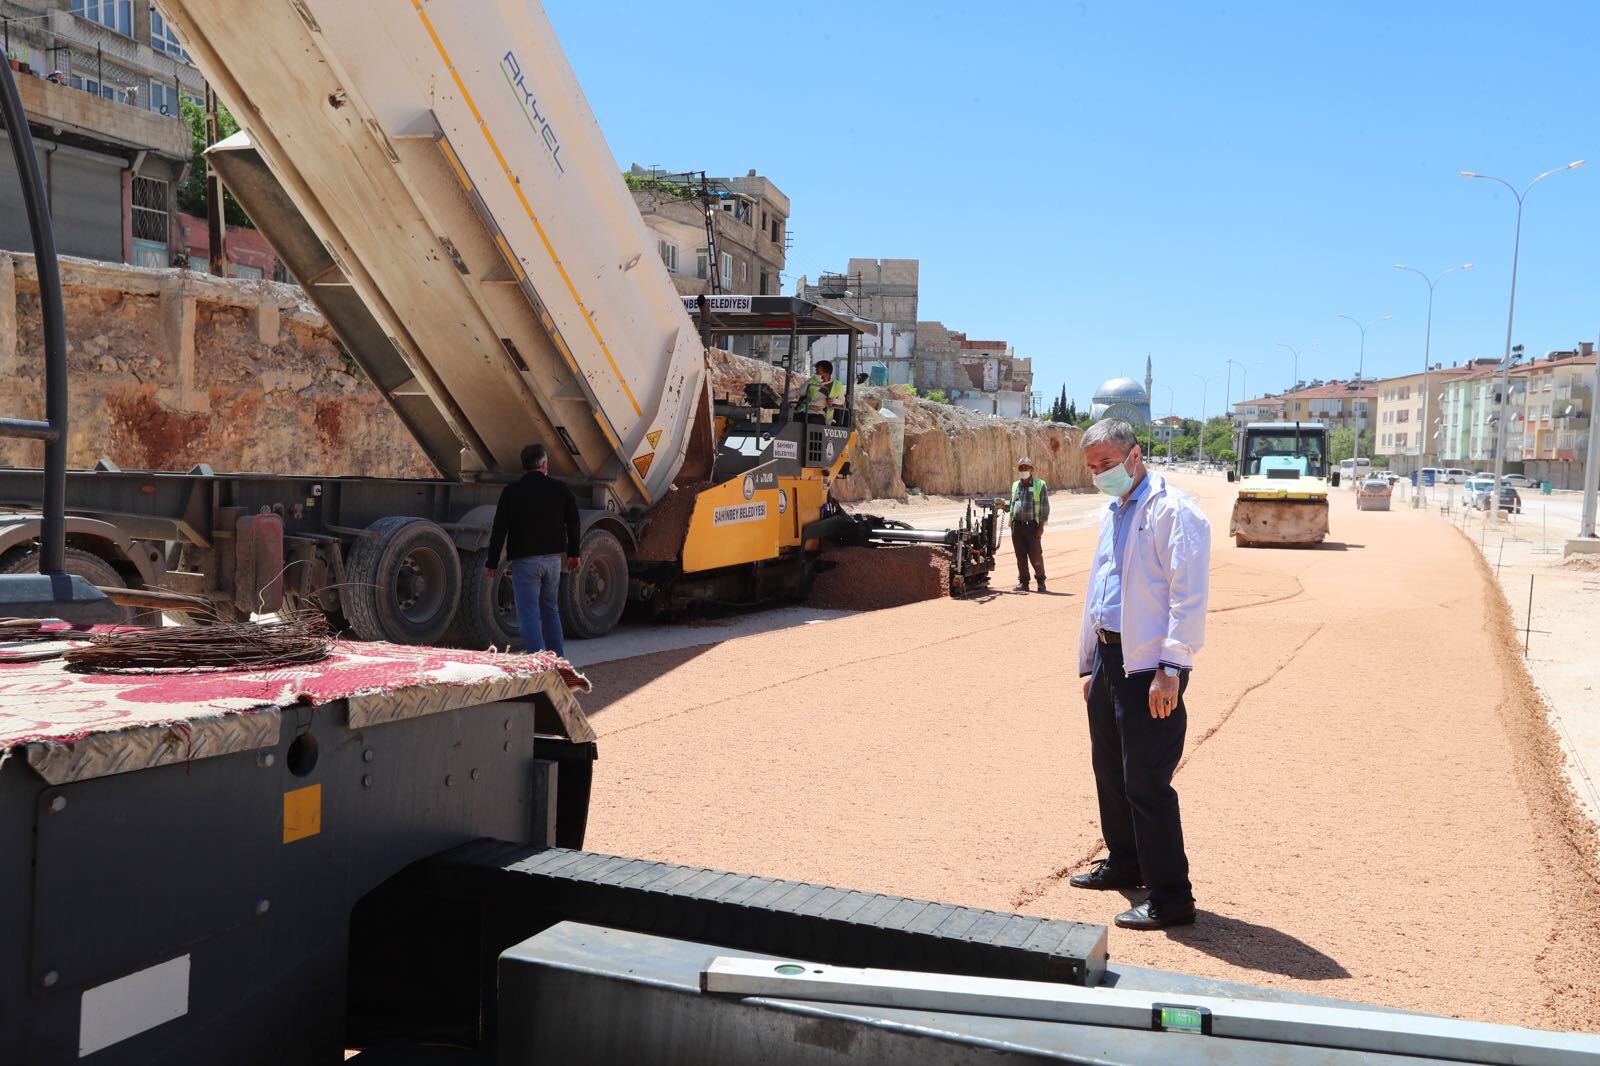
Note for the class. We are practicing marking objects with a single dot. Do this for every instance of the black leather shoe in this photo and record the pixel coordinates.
(1103, 876)
(1041, 586)
(1022, 587)
(1149, 915)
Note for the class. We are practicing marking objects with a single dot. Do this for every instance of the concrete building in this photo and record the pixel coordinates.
(1340, 404)
(884, 292)
(1550, 410)
(1162, 430)
(102, 82)
(1408, 421)
(749, 219)
(1261, 409)
(979, 375)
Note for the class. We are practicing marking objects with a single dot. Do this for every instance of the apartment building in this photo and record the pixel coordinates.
(1340, 404)
(1261, 409)
(103, 83)
(1549, 411)
(1408, 420)
(979, 375)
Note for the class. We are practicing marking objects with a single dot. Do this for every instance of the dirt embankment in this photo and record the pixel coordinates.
(947, 450)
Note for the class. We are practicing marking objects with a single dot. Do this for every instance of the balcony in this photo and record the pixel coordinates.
(94, 118)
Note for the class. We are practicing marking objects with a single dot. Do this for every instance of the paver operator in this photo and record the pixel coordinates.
(1143, 622)
(1030, 510)
(823, 395)
(536, 521)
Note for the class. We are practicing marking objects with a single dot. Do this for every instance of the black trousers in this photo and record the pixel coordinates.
(1134, 757)
(1027, 540)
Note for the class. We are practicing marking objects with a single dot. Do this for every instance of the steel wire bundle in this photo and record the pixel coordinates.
(301, 638)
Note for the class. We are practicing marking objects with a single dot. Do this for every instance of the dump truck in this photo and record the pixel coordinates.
(1283, 477)
(451, 207)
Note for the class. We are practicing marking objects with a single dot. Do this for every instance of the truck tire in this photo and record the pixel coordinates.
(593, 596)
(404, 582)
(487, 617)
(93, 569)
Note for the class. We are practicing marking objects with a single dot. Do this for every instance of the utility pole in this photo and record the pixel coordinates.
(1200, 438)
(215, 223)
(1502, 429)
(1361, 381)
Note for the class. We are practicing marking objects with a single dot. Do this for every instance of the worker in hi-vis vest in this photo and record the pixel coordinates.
(823, 394)
(1030, 510)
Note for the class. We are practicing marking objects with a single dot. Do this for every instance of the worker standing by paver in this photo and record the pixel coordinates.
(536, 521)
(823, 395)
(1030, 510)
(1143, 621)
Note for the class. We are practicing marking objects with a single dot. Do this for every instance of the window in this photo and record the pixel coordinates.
(163, 98)
(149, 204)
(112, 14)
(1402, 416)
(763, 283)
(669, 254)
(163, 39)
(244, 270)
(1405, 392)
(1400, 439)
(702, 264)
(727, 268)
(775, 231)
(744, 272)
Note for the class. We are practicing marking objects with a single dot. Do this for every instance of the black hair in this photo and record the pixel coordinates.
(533, 455)
(824, 364)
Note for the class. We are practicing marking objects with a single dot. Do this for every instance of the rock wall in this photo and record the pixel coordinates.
(169, 368)
(948, 450)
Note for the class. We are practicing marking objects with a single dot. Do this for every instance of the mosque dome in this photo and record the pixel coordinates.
(1120, 389)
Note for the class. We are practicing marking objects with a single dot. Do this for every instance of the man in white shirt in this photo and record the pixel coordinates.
(1143, 622)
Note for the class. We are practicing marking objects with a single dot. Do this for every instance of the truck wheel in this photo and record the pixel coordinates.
(405, 581)
(488, 614)
(593, 596)
(87, 565)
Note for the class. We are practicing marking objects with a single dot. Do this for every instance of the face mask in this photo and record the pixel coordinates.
(1116, 481)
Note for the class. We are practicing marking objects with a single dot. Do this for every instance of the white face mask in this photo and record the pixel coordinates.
(1115, 481)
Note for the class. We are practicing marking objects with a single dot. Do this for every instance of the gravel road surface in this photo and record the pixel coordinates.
(1372, 797)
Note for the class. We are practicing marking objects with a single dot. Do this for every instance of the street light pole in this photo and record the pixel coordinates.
(1427, 365)
(1295, 384)
(1200, 438)
(1511, 313)
(1361, 376)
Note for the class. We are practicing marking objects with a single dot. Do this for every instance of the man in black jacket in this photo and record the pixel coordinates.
(537, 523)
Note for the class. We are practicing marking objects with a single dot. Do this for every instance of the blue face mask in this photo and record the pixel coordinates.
(1116, 481)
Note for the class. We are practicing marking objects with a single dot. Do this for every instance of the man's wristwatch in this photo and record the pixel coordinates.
(1170, 671)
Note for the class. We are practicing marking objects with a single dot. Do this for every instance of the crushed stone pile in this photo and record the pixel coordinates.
(1590, 563)
(869, 579)
(667, 524)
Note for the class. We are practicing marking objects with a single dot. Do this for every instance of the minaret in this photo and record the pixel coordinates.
(1149, 388)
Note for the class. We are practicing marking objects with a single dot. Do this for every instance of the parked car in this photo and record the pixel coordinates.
(1455, 475)
(1478, 491)
(1436, 471)
(1520, 481)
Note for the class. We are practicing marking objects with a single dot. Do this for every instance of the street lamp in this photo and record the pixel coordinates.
(1295, 384)
(1200, 440)
(1511, 313)
(1361, 375)
(1427, 364)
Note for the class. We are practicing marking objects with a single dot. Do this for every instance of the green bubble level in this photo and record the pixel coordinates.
(1180, 1019)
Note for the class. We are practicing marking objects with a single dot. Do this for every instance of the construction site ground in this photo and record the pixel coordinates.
(1373, 797)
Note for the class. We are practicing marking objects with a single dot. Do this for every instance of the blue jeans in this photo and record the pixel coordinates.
(536, 583)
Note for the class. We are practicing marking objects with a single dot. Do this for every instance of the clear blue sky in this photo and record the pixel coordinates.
(1092, 181)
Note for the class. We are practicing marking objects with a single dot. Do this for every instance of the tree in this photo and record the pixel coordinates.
(1182, 447)
(191, 195)
(1341, 444)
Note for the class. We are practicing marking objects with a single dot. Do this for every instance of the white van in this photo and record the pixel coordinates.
(1436, 471)
(1353, 471)
(1455, 475)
